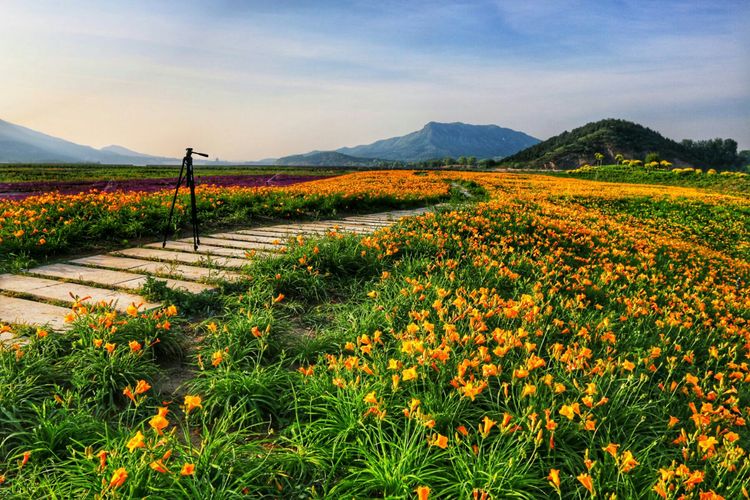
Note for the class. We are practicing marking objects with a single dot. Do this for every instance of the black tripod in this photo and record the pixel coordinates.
(187, 168)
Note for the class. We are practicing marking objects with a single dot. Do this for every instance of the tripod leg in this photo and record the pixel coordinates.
(194, 208)
(171, 210)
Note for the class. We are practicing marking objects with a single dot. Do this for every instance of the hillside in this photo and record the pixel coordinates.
(439, 140)
(23, 145)
(326, 158)
(611, 137)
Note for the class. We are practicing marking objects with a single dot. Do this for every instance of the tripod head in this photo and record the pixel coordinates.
(189, 152)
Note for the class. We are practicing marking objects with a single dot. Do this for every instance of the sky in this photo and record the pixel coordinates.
(246, 80)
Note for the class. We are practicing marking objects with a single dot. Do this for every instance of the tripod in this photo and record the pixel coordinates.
(187, 168)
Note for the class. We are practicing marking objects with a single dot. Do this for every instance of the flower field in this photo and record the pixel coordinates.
(55, 223)
(559, 338)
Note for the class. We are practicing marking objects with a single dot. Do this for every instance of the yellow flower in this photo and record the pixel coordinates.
(191, 403)
(528, 390)
(136, 442)
(409, 374)
(627, 462)
(132, 310)
(554, 478)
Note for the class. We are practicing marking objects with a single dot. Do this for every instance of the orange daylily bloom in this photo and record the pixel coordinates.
(191, 403)
(118, 478)
(587, 482)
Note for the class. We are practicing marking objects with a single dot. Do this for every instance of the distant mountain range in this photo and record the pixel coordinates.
(327, 158)
(434, 141)
(23, 145)
(440, 140)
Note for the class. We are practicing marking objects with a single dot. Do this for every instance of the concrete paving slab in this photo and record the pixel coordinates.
(259, 238)
(184, 246)
(109, 278)
(221, 242)
(193, 273)
(65, 292)
(183, 257)
(27, 312)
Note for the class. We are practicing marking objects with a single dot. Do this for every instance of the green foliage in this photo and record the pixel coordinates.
(570, 149)
(730, 182)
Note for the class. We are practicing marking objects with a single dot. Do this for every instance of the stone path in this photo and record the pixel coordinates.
(40, 295)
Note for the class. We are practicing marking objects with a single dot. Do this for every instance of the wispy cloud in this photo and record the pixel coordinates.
(253, 79)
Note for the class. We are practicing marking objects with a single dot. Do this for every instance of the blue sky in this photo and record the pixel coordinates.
(247, 80)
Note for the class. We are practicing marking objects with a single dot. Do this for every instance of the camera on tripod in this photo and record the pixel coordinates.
(187, 169)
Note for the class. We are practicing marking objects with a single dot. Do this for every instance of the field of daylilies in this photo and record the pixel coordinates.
(550, 337)
(49, 224)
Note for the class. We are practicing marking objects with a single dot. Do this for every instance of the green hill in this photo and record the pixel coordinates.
(611, 137)
(327, 158)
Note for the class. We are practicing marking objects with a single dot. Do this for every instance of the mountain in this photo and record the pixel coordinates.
(23, 145)
(611, 137)
(439, 140)
(326, 158)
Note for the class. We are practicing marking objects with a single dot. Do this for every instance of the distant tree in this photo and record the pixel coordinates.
(471, 160)
(717, 152)
(652, 157)
(619, 158)
(462, 160)
(447, 161)
(599, 157)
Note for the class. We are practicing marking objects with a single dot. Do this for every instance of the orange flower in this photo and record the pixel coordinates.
(159, 422)
(141, 387)
(129, 393)
(102, 459)
(191, 403)
(587, 482)
(98, 343)
(187, 470)
(423, 492)
(41, 333)
(217, 357)
(370, 398)
(278, 298)
(134, 345)
(611, 448)
(486, 425)
(118, 478)
(24, 459)
(159, 467)
(110, 347)
(439, 440)
(627, 462)
(554, 478)
(136, 441)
